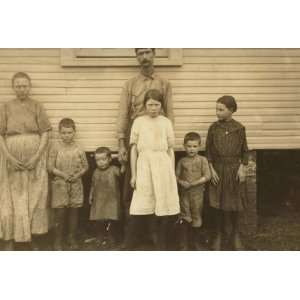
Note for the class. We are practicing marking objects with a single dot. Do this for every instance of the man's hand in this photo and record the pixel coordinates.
(133, 182)
(123, 154)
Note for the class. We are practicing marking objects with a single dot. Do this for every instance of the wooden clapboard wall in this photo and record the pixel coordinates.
(266, 83)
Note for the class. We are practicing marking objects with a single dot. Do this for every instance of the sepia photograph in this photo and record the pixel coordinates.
(168, 172)
(150, 149)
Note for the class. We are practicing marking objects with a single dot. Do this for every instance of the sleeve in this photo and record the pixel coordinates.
(244, 150)
(178, 169)
(117, 171)
(170, 135)
(123, 117)
(208, 147)
(42, 120)
(168, 103)
(93, 181)
(205, 168)
(134, 134)
(52, 154)
(3, 120)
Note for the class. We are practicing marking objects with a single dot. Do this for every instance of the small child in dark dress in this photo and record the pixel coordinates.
(192, 173)
(227, 153)
(105, 196)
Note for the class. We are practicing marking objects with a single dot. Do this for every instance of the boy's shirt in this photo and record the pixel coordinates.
(67, 158)
(193, 168)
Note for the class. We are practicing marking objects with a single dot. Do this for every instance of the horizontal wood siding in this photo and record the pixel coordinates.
(266, 83)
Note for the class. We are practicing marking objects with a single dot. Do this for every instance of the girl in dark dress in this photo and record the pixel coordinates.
(227, 153)
(105, 197)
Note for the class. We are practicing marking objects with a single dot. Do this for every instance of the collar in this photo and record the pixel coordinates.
(102, 170)
(230, 126)
(145, 77)
(26, 101)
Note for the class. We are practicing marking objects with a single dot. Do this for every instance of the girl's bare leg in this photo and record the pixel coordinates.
(219, 222)
(236, 238)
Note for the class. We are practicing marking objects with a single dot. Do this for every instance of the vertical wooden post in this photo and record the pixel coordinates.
(249, 216)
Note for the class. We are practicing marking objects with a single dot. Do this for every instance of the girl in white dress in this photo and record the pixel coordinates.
(155, 196)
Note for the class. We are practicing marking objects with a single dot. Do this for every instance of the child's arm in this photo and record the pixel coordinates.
(123, 167)
(91, 195)
(242, 172)
(214, 175)
(200, 181)
(172, 156)
(133, 163)
(206, 174)
(184, 184)
(59, 173)
(209, 141)
(83, 170)
(51, 164)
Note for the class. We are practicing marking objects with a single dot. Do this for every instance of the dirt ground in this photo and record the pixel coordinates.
(277, 233)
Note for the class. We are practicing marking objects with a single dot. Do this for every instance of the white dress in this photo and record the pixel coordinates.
(156, 186)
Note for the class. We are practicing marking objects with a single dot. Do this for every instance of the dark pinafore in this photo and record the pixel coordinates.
(226, 149)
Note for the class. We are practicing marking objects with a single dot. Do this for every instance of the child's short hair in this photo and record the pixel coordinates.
(67, 123)
(20, 75)
(155, 95)
(192, 136)
(101, 150)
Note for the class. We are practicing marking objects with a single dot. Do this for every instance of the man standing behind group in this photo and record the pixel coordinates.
(131, 106)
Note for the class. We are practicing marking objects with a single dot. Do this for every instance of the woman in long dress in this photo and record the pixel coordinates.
(24, 134)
